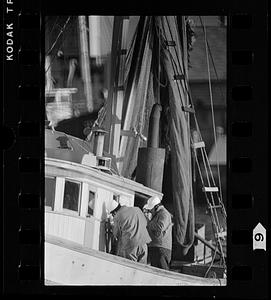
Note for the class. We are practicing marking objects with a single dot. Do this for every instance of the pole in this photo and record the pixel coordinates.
(197, 236)
(85, 64)
(95, 38)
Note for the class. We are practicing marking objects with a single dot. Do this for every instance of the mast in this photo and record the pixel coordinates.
(85, 63)
(116, 87)
(95, 38)
(187, 102)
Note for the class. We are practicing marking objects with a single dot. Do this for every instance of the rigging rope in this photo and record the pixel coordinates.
(62, 31)
(212, 106)
(213, 219)
(53, 25)
(216, 74)
(159, 62)
(213, 63)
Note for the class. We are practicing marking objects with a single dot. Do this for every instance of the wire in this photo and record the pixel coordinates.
(56, 51)
(212, 106)
(53, 25)
(213, 220)
(213, 63)
(61, 31)
(159, 62)
(212, 263)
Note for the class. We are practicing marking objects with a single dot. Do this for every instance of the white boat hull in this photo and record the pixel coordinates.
(68, 263)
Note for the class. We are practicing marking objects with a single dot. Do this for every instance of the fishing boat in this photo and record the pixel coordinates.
(83, 176)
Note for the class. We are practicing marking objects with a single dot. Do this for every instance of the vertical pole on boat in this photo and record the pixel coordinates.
(110, 119)
(95, 38)
(120, 30)
(48, 74)
(85, 63)
(99, 141)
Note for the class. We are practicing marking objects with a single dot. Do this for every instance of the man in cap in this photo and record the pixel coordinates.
(129, 228)
(160, 230)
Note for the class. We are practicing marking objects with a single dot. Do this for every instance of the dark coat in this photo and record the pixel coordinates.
(160, 229)
(130, 228)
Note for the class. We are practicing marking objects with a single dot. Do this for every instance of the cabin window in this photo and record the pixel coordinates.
(71, 196)
(50, 187)
(91, 202)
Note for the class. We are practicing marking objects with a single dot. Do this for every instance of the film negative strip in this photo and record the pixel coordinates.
(247, 148)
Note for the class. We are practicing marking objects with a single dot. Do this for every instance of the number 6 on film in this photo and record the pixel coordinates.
(259, 237)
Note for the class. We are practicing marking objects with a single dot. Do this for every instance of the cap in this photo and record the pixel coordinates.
(154, 200)
(112, 205)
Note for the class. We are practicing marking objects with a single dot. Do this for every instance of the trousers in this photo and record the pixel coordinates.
(138, 253)
(159, 257)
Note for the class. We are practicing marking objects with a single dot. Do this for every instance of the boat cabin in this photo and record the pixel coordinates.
(77, 189)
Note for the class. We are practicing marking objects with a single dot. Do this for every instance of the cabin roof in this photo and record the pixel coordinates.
(60, 145)
(53, 166)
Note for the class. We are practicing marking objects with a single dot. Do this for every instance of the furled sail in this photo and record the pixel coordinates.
(179, 134)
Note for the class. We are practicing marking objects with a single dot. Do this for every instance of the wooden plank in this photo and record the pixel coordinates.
(66, 91)
(188, 109)
(210, 189)
(171, 43)
(84, 200)
(178, 77)
(198, 145)
(90, 232)
(59, 193)
(68, 227)
(114, 76)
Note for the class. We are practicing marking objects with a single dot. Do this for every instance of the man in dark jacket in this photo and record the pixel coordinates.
(160, 230)
(129, 228)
